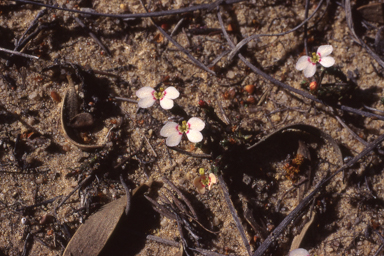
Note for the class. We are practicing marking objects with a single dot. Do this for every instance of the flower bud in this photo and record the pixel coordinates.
(313, 86)
(249, 88)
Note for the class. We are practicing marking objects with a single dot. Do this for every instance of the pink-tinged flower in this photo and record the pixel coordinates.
(308, 64)
(148, 96)
(204, 181)
(299, 252)
(174, 132)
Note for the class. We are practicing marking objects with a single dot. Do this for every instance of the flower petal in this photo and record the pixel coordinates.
(194, 136)
(171, 93)
(166, 103)
(302, 63)
(327, 61)
(196, 124)
(299, 252)
(199, 187)
(212, 180)
(146, 102)
(174, 139)
(324, 50)
(310, 70)
(144, 92)
(168, 129)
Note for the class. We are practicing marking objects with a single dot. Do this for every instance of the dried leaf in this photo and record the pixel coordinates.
(93, 235)
(299, 238)
(372, 12)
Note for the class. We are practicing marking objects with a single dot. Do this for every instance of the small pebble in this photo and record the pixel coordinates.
(231, 75)
(299, 252)
(124, 7)
(33, 96)
(24, 220)
(39, 181)
(216, 221)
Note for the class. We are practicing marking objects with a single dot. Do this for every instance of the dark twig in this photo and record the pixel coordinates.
(306, 28)
(97, 40)
(374, 109)
(177, 202)
(286, 86)
(181, 48)
(360, 112)
(208, 253)
(161, 209)
(19, 53)
(379, 250)
(348, 16)
(177, 26)
(295, 212)
(33, 35)
(190, 154)
(236, 49)
(357, 137)
(163, 241)
(32, 26)
(38, 204)
(25, 248)
(126, 99)
(128, 193)
(91, 176)
(183, 240)
(210, 6)
(218, 58)
(234, 214)
(180, 194)
(41, 241)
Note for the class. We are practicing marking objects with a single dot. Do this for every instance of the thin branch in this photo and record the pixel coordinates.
(295, 212)
(139, 15)
(306, 28)
(190, 154)
(287, 87)
(243, 42)
(128, 193)
(125, 99)
(163, 241)
(351, 132)
(348, 16)
(97, 40)
(187, 202)
(181, 48)
(19, 53)
(234, 214)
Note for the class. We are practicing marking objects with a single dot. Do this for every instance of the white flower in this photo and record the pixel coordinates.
(148, 96)
(299, 252)
(174, 131)
(203, 182)
(308, 64)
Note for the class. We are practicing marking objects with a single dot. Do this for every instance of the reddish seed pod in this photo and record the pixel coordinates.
(226, 95)
(46, 219)
(251, 99)
(164, 26)
(250, 88)
(55, 96)
(203, 104)
(232, 93)
(313, 86)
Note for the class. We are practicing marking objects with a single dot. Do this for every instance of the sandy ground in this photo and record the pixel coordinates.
(39, 163)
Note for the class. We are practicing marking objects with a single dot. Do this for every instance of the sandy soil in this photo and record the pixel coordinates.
(39, 163)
